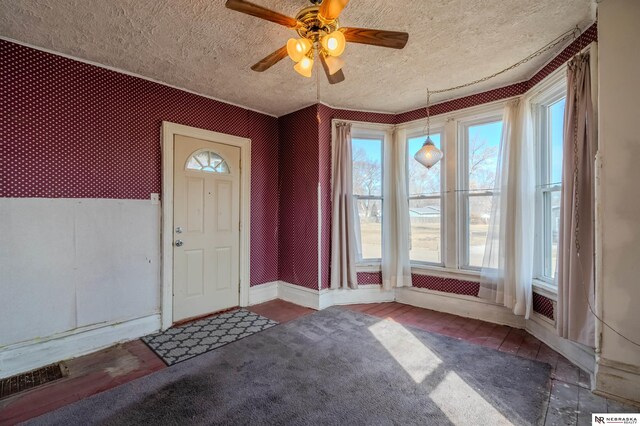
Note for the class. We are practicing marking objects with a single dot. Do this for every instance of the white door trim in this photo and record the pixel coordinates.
(168, 131)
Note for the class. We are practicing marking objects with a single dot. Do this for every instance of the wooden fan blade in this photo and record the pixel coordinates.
(262, 12)
(334, 78)
(270, 60)
(392, 39)
(331, 9)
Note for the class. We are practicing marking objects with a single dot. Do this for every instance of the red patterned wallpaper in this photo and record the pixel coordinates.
(298, 187)
(265, 195)
(73, 130)
(543, 305)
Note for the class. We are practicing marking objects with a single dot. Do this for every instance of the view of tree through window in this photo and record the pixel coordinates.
(425, 204)
(367, 192)
(483, 142)
(552, 184)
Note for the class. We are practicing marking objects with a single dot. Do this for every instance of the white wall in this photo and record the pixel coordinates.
(66, 264)
(619, 190)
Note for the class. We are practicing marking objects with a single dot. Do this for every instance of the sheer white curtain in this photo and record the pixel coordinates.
(396, 265)
(343, 223)
(507, 270)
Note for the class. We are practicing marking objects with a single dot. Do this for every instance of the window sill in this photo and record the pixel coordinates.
(368, 267)
(545, 289)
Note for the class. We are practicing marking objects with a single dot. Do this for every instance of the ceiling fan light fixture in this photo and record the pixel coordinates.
(429, 154)
(334, 64)
(334, 43)
(304, 67)
(298, 48)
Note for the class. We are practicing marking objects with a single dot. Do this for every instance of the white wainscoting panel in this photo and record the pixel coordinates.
(67, 263)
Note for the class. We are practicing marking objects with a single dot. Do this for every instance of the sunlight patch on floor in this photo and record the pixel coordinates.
(416, 359)
(463, 405)
(455, 398)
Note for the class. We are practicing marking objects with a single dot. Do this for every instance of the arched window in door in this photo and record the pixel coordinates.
(208, 162)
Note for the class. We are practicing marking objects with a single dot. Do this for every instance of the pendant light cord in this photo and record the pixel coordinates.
(572, 33)
(428, 113)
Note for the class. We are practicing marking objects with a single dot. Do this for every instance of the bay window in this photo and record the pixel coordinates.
(449, 205)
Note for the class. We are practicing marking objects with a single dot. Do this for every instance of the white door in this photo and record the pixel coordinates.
(206, 227)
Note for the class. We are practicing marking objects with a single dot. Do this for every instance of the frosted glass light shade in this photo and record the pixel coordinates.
(334, 64)
(304, 67)
(297, 49)
(428, 155)
(334, 43)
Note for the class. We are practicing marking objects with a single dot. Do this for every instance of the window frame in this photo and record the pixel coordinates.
(371, 134)
(464, 194)
(540, 104)
(413, 133)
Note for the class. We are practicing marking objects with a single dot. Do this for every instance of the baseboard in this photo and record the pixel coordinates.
(618, 381)
(579, 355)
(263, 293)
(457, 304)
(299, 295)
(363, 294)
(25, 356)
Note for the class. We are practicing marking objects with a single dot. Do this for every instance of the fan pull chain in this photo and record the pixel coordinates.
(318, 92)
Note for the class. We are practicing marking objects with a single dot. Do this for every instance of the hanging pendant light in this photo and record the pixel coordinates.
(429, 154)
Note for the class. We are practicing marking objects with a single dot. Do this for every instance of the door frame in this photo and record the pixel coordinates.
(168, 131)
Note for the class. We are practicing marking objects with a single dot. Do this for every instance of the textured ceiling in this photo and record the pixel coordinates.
(202, 46)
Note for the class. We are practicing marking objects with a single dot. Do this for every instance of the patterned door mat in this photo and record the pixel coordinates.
(180, 343)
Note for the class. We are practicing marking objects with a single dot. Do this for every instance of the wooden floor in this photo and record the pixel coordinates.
(570, 403)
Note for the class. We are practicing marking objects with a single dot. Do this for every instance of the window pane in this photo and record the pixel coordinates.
(484, 142)
(367, 166)
(422, 181)
(370, 214)
(426, 234)
(479, 216)
(207, 161)
(556, 129)
(553, 234)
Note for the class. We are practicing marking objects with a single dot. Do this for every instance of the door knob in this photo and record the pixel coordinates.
(179, 243)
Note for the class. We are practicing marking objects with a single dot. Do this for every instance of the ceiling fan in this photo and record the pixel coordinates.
(320, 35)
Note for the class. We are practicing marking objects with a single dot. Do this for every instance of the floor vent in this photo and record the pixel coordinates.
(31, 379)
